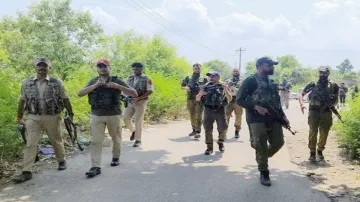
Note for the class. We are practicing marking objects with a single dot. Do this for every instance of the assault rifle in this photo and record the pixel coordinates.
(71, 128)
(280, 119)
(22, 129)
(126, 99)
(211, 87)
(333, 110)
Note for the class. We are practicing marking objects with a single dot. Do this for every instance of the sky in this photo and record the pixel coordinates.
(317, 32)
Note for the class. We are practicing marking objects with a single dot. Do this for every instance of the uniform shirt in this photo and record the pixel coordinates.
(42, 86)
(343, 90)
(244, 99)
(149, 85)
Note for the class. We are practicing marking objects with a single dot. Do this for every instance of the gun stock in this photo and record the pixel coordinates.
(69, 125)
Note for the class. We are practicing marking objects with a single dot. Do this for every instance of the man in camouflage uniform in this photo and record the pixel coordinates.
(234, 85)
(104, 97)
(324, 95)
(258, 94)
(144, 88)
(192, 85)
(342, 93)
(43, 98)
(215, 96)
(285, 88)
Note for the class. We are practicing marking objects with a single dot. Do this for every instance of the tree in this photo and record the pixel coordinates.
(220, 66)
(288, 61)
(345, 66)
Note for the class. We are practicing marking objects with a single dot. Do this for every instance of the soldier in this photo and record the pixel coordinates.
(43, 98)
(257, 95)
(234, 85)
(285, 88)
(144, 88)
(355, 92)
(343, 91)
(324, 95)
(104, 97)
(192, 85)
(216, 97)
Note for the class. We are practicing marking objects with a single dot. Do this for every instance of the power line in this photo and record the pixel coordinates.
(240, 50)
(165, 23)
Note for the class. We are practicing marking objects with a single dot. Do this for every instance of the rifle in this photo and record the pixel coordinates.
(280, 119)
(69, 125)
(126, 99)
(22, 129)
(211, 87)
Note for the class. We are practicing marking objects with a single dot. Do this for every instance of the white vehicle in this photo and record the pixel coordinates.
(294, 95)
(306, 97)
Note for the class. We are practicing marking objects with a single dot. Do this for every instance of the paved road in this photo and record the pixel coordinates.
(171, 167)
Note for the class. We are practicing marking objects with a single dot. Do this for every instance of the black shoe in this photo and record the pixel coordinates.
(312, 157)
(132, 137)
(115, 162)
(62, 165)
(265, 178)
(209, 150)
(221, 146)
(24, 176)
(192, 133)
(137, 143)
(320, 155)
(237, 134)
(93, 172)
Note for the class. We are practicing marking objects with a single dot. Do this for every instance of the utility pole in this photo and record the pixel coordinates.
(240, 50)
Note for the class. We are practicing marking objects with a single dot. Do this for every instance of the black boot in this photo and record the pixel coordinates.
(209, 149)
(115, 162)
(192, 133)
(237, 134)
(312, 157)
(221, 146)
(62, 165)
(24, 176)
(137, 143)
(93, 172)
(132, 137)
(265, 178)
(320, 155)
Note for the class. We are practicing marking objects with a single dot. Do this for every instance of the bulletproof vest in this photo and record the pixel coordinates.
(215, 97)
(266, 93)
(104, 97)
(52, 97)
(321, 94)
(140, 85)
(234, 85)
(195, 82)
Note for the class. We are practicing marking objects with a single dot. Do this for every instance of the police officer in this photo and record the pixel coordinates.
(285, 88)
(234, 85)
(343, 91)
(104, 97)
(324, 94)
(257, 95)
(216, 97)
(144, 88)
(43, 98)
(192, 85)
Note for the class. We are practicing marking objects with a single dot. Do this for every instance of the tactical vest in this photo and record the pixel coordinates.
(103, 97)
(320, 95)
(215, 98)
(233, 86)
(140, 85)
(52, 97)
(194, 84)
(266, 93)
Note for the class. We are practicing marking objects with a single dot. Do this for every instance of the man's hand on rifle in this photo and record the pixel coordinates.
(287, 121)
(261, 110)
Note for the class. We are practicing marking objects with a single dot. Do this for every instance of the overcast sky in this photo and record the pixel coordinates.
(321, 32)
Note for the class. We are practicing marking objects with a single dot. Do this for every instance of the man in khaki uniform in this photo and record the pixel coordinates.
(104, 97)
(234, 85)
(285, 89)
(144, 88)
(43, 98)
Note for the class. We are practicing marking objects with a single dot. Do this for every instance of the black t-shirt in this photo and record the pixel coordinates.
(111, 110)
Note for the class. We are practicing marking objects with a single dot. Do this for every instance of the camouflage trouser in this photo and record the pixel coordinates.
(210, 116)
(195, 109)
(238, 111)
(321, 122)
(260, 134)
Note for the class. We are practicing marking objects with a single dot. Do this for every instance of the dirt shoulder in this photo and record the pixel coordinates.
(338, 178)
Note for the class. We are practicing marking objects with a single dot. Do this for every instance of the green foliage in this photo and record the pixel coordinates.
(345, 66)
(222, 67)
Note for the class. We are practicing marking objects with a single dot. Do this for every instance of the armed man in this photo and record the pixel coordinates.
(322, 100)
(192, 85)
(144, 88)
(43, 98)
(234, 85)
(216, 97)
(285, 89)
(104, 97)
(342, 92)
(259, 96)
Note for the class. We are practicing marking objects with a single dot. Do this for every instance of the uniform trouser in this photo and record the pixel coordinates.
(285, 96)
(210, 116)
(97, 130)
(260, 135)
(238, 113)
(34, 126)
(322, 123)
(195, 109)
(138, 109)
(342, 99)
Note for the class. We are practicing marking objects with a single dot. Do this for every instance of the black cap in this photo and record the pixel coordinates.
(266, 60)
(196, 64)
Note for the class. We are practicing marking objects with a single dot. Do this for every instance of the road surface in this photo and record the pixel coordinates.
(170, 166)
